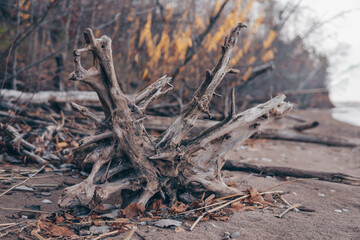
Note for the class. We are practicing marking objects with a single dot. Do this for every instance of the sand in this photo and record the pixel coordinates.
(337, 206)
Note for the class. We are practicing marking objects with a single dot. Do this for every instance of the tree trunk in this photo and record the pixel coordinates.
(135, 166)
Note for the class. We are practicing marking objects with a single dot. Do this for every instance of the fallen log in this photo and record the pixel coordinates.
(134, 166)
(233, 165)
(47, 96)
(291, 135)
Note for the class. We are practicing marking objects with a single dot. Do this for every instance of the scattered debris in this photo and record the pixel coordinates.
(46, 201)
(24, 188)
(163, 223)
(96, 230)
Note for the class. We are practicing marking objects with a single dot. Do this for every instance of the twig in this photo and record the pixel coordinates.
(131, 233)
(38, 159)
(226, 204)
(106, 234)
(23, 210)
(285, 201)
(197, 209)
(22, 182)
(287, 182)
(35, 233)
(296, 205)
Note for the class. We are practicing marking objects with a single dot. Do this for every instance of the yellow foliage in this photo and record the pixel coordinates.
(251, 60)
(269, 40)
(170, 13)
(237, 57)
(131, 15)
(145, 74)
(133, 36)
(199, 23)
(247, 74)
(146, 32)
(268, 55)
(217, 6)
(25, 6)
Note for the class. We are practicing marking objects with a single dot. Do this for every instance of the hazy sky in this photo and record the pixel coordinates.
(340, 39)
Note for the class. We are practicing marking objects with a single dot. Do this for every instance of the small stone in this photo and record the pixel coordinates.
(96, 230)
(265, 159)
(149, 214)
(321, 195)
(226, 234)
(84, 232)
(149, 223)
(85, 174)
(338, 210)
(81, 211)
(33, 207)
(46, 201)
(112, 214)
(332, 190)
(24, 188)
(187, 197)
(167, 223)
(142, 223)
(38, 196)
(235, 235)
(345, 210)
(46, 193)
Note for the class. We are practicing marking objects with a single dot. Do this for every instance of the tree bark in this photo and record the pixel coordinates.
(140, 165)
(233, 165)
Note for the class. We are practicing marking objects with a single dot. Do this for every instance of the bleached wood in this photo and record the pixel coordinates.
(125, 156)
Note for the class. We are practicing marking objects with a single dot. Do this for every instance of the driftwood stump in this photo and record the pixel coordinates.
(133, 166)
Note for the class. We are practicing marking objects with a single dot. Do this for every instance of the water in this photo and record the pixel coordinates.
(347, 112)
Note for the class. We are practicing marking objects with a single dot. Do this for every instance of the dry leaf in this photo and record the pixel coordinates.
(59, 219)
(237, 206)
(68, 216)
(54, 230)
(210, 198)
(179, 229)
(62, 144)
(133, 210)
(178, 207)
(58, 231)
(268, 197)
(157, 205)
(256, 198)
(231, 184)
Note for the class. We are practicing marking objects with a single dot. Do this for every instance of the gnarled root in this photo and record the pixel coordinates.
(125, 159)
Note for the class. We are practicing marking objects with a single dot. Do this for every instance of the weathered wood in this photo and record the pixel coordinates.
(47, 96)
(291, 135)
(125, 157)
(234, 165)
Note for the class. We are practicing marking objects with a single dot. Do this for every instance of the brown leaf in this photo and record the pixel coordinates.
(256, 198)
(157, 205)
(178, 207)
(209, 199)
(231, 184)
(54, 230)
(59, 219)
(58, 231)
(237, 206)
(179, 229)
(220, 218)
(133, 210)
(268, 197)
(68, 216)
